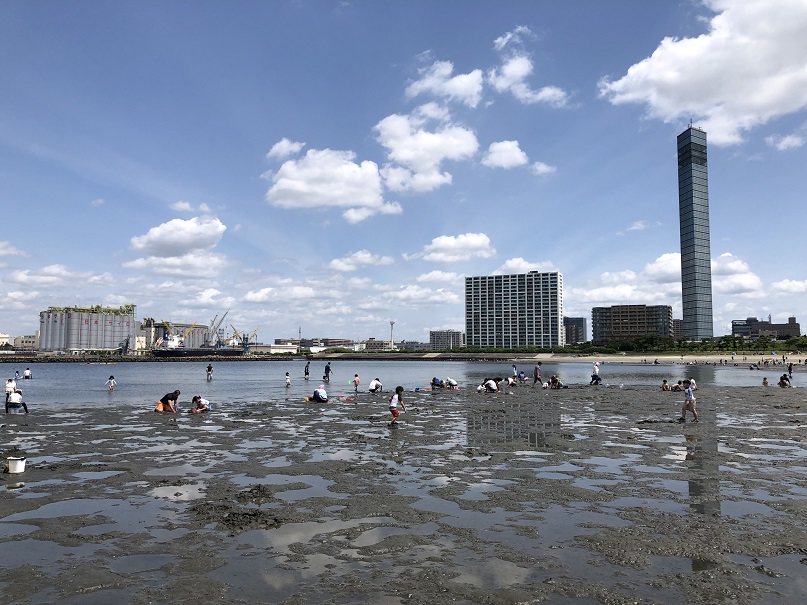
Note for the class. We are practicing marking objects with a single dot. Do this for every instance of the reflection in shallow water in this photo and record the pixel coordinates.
(508, 426)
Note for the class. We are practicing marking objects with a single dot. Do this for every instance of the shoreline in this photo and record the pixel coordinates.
(663, 359)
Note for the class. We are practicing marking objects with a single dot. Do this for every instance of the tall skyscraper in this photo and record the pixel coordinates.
(509, 311)
(693, 210)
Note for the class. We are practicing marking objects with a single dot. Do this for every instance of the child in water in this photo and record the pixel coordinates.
(288, 380)
(111, 384)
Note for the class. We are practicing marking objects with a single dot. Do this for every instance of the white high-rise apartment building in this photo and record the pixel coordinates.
(510, 311)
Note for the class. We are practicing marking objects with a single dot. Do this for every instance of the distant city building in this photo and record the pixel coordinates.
(371, 344)
(519, 310)
(317, 343)
(273, 349)
(440, 340)
(413, 345)
(4, 339)
(27, 343)
(630, 321)
(575, 330)
(752, 327)
(678, 329)
(87, 329)
(696, 260)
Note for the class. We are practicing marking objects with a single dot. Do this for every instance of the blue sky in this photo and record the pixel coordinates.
(332, 166)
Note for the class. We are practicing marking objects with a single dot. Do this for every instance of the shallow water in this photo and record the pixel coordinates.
(60, 386)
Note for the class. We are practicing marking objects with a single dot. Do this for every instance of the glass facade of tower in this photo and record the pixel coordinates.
(509, 311)
(696, 259)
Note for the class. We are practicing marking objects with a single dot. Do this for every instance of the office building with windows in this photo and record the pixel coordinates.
(693, 210)
(510, 311)
(754, 328)
(575, 330)
(621, 322)
(440, 340)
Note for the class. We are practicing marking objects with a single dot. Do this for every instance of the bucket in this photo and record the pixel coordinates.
(16, 465)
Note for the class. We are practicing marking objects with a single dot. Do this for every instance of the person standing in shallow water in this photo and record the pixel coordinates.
(327, 376)
(306, 370)
(111, 383)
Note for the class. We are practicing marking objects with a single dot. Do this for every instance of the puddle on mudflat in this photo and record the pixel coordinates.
(95, 475)
(132, 515)
(9, 530)
(478, 491)
(43, 553)
(198, 469)
(137, 563)
(178, 493)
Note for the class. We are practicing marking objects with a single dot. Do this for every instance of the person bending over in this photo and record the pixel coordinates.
(168, 403)
(15, 401)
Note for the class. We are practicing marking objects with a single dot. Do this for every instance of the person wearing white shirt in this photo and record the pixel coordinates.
(15, 401)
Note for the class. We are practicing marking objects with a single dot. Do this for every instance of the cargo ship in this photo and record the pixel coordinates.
(172, 344)
(200, 352)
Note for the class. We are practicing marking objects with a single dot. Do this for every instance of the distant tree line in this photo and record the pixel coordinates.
(727, 345)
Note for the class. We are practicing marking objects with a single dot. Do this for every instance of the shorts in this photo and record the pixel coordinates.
(163, 407)
(395, 412)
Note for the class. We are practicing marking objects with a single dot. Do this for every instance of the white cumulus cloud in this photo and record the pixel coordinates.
(329, 178)
(790, 286)
(438, 79)
(785, 143)
(457, 248)
(417, 153)
(512, 77)
(179, 237)
(504, 154)
(520, 265)
(440, 277)
(541, 169)
(748, 69)
(55, 275)
(7, 249)
(359, 259)
(197, 264)
(666, 269)
(283, 149)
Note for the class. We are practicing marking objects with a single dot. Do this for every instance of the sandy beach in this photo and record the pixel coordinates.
(585, 495)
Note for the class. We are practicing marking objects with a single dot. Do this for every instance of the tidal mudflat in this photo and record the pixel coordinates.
(586, 495)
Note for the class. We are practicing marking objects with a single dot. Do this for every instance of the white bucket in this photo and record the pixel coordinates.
(16, 465)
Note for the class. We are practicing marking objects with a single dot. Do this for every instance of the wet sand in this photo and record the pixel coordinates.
(586, 495)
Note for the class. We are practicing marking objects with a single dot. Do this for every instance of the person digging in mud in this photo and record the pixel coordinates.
(168, 403)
